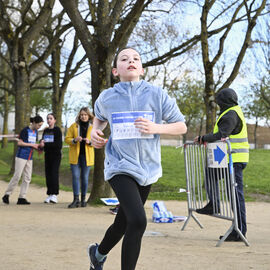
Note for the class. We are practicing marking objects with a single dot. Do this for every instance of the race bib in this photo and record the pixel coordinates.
(123, 125)
(32, 137)
(48, 138)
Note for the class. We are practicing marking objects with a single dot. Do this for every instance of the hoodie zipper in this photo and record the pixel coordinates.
(138, 143)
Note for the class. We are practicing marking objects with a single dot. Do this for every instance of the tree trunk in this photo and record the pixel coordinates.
(58, 92)
(201, 126)
(22, 102)
(19, 41)
(100, 187)
(209, 96)
(5, 119)
(210, 105)
(255, 134)
(100, 47)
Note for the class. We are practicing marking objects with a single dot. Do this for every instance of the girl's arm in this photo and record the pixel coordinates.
(148, 127)
(96, 134)
(22, 143)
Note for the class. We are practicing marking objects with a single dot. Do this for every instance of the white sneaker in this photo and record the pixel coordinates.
(47, 200)
(53, 199)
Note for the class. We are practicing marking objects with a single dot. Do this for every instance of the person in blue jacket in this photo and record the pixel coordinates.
(24, 160)
(135, 111)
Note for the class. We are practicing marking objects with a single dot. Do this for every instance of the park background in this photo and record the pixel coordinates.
(56, 56)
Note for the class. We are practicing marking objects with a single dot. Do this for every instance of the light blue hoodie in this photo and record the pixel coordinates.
(139, 158)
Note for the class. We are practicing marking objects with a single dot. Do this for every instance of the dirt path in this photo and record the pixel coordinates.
(52, 237)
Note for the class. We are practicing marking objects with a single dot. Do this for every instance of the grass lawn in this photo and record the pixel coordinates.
(256, 175)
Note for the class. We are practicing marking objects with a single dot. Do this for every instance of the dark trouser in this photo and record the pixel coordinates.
(213, 175)
(213, 192)
(240, 199)
(129, 222)
(52, 164)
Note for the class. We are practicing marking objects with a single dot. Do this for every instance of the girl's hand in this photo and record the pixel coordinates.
(145, 126)
(41, 144)
(78, 139)
(87, 141)
(96, 138)
(35, 146)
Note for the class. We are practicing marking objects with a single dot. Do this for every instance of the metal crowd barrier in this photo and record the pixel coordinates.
(210, 175)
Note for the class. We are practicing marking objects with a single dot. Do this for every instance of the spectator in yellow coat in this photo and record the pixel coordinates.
(81, 154)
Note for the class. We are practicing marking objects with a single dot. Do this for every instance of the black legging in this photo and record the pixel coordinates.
(130, 220)
(52, 164)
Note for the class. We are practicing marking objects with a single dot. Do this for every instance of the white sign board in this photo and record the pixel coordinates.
(110, 201)
(217, 155)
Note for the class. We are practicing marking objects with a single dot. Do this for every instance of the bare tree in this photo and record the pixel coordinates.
(64, 63)
(60, 63)
(110, 26)
(31, 33)
(218, 22)
(4, 98)
(261, 52)
(20, 26)
(188, 93)
(251, 9)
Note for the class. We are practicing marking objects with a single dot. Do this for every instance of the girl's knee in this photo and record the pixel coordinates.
(138, 223)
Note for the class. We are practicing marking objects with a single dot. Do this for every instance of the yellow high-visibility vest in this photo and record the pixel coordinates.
(239, 142)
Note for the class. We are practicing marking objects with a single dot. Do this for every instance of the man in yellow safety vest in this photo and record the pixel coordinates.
(231, 123)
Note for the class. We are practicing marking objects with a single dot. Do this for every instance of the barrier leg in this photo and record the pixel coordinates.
(242, 237)
(194, 217)
(227, 234)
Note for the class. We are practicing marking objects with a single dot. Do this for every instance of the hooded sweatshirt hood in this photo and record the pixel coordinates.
(226, 98)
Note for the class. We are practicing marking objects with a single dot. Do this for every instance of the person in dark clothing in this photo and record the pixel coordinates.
(231, 123)
(52, 145)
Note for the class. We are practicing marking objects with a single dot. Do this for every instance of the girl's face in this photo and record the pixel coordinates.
(51, 121)
(128, 66)
(37, 125)
(84, 117)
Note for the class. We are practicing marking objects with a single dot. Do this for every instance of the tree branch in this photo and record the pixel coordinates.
(32, 31)
(251, 25)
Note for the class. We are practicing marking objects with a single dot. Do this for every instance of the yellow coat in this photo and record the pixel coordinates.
(74, 148)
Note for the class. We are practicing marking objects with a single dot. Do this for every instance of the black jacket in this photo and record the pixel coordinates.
(56, 145)
(229, 123)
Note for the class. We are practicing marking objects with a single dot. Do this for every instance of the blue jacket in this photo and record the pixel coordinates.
(139, 158)
(27, 135)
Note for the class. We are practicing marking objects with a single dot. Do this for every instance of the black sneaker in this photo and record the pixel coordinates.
(232, 238)
(114, 210)
(94, 263)
(5, 199)
(22, 201)
(207, 210)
